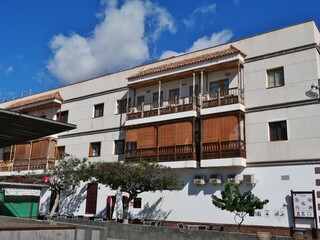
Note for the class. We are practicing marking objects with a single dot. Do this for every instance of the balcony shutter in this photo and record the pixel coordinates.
(220, 128)
(183, 133)
(51, 149)
(146, 137)
(166, 135)
(22, 151)
(131, 135)
(40, 149)
(175, 134)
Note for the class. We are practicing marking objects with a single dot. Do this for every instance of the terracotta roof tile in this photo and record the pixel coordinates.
(185, 62)
(51, 96)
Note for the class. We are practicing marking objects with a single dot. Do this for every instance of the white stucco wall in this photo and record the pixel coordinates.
(193, 203)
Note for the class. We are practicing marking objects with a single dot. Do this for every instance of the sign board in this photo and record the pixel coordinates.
(21, 192)
(303, 204)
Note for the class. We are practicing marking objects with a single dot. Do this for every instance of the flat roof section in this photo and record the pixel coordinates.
(18, 128)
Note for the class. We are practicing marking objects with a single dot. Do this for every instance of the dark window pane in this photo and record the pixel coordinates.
(95, 149)
(275, 77)
(98, 110)
(121, 106)
(278, 131)
(63, 116)
(137, 203)
(119, 147)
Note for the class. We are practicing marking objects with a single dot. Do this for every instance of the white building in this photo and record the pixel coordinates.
(237, 111)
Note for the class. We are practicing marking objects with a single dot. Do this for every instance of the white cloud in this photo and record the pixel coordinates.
(120, 40)
(9, 70)
(204, 42)
(215, 39)
(199, 12)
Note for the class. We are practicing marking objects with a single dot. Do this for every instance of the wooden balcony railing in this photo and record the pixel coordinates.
(223, 149)
(165, 107)
(225, 97)
(161, 154)
(26, 164)
(189, 103)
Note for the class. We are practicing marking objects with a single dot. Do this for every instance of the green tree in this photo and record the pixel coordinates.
(240, 204)
(65, 177)
(134, 178)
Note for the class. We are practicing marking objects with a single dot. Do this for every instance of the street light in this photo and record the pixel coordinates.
(314, 90)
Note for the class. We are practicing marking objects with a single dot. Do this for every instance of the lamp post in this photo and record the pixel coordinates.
(314, 91)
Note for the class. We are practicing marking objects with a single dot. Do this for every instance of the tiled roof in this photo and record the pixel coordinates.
(51, 96)
(185, 62)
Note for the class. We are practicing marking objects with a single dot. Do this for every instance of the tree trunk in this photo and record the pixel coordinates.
(55, 205)
(126, 209)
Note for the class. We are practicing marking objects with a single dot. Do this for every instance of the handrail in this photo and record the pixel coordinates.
(188, 100)
(231, 92)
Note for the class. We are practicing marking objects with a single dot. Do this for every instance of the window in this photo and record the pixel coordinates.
(94, 150)
(137, 202)
(63, 116)
(278, 131)
(60, 152)
(140, 100)
(131, 145)
(121, 106)
(98, 110)
(275, 77)
(173, 94)
(119, 147)
(155, 98)
(196, 90)
(220, 87)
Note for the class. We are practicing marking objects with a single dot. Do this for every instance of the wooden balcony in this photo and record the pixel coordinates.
(5, 166)
(223, 149)
(221, 98)
(161, 154)
(189, 103)
(25, 164)
(176, 105)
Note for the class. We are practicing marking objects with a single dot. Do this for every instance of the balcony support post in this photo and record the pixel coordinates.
(201, 88)
(239, 81)
(159, 97)
(193, 89)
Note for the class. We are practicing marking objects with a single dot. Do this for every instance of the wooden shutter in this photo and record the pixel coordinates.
(40, 149)
(220, 128)
(183, 133)
(91, 204)
(131, 135)
(175, 134)
(51, 149)
(146, 137)
(166, 135)
(22, 151)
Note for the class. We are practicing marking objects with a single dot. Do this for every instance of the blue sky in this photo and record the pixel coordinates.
(48, 44)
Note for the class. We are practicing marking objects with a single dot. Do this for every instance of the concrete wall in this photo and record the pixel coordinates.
(92, 230)
(12, 228)
(143, 232)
